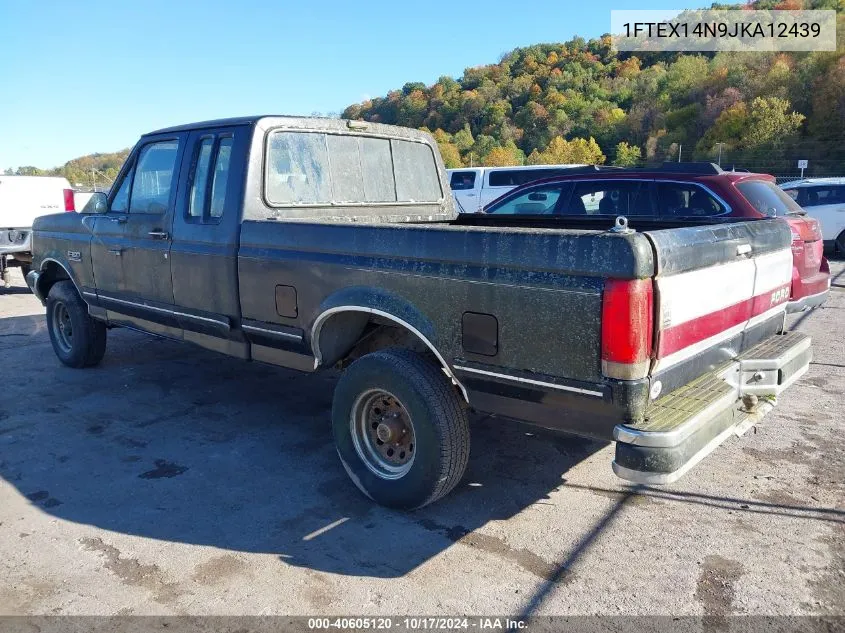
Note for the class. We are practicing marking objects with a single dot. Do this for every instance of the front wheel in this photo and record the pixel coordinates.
(400, 428)
(840, 244)
(78, 340)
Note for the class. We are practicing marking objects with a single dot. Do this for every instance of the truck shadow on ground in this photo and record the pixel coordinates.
(171, 442)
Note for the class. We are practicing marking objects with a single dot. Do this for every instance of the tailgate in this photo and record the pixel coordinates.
(719, 290)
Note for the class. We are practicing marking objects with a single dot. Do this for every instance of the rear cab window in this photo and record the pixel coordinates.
(322, 169)
(768, 198)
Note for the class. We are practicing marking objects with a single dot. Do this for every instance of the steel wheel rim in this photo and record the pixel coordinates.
(63, 327)
(383, 434)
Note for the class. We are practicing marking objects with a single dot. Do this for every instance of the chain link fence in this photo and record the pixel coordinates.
(782, 180)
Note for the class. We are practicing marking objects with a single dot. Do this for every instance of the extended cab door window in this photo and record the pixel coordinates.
(210, 179)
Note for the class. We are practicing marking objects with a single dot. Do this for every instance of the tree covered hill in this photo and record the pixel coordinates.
(86, 171)
(580, 101)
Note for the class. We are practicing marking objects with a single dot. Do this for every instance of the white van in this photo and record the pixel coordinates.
(22, 199)
(823, 199)
(476, 187)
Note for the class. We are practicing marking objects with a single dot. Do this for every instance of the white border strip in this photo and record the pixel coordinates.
(539, 383)
(252, 328)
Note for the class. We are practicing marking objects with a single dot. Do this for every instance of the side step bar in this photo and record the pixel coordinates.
(684, 426)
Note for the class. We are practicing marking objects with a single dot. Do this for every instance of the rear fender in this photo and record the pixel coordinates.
(342, 317)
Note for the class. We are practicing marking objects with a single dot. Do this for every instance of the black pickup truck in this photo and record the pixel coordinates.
(312, 243)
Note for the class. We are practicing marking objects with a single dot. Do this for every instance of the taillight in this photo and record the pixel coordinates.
(70, 204)
(812, 230)
(806, 229)
(627, 321)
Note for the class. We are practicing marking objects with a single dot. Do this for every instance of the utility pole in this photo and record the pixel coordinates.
(720, 153)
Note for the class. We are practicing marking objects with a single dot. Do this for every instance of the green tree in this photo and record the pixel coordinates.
(505, 156)
(563, 152)
(627, 155)
(463, 139)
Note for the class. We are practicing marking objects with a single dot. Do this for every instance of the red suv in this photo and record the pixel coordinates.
(674, 195)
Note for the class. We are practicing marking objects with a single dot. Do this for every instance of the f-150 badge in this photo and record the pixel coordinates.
(74, 256)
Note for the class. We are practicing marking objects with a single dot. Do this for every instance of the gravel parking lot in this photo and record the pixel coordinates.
(170, 480)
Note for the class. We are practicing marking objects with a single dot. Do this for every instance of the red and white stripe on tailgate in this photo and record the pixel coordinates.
(701, 308)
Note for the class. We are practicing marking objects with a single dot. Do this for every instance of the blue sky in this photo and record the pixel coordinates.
(79, 77)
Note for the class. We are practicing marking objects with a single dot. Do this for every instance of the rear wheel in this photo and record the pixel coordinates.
(400, 429)
(840, 244)
(78, 340)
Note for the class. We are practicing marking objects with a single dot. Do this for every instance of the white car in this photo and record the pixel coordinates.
(22, 199)
(476, 187)
(823, 199)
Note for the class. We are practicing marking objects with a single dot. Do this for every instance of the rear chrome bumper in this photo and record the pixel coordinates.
(807, 303)
(7, 247)
(683, 427)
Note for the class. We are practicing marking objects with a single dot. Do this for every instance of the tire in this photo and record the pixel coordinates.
(78, 340)
(434, 453)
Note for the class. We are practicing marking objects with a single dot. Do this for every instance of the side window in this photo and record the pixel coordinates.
(210, 181)
(220, 181)
(517, 177)
(502, 178)
(818, 196)
(610, 197)
(686, 200)
(153, 178)
(767, 197)
(462, 180)
(199, 186)
(539, 201)
(120, 202)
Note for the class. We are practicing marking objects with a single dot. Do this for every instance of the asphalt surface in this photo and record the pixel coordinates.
(170, 480)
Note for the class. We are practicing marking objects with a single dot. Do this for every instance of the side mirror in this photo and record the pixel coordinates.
(537, 197)
(97, 203)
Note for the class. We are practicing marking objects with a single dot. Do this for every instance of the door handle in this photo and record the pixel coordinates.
(121, 219)
(743, 249)
(116, 251)
(158, 235)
